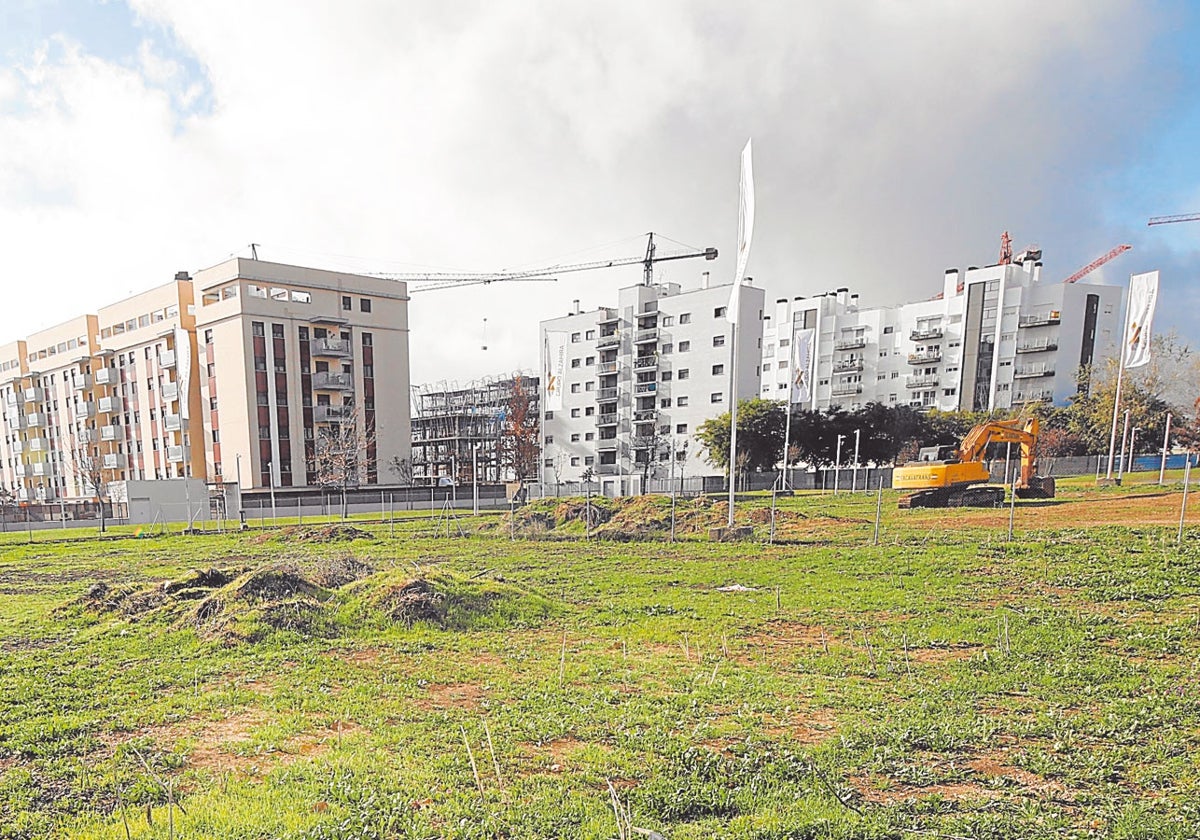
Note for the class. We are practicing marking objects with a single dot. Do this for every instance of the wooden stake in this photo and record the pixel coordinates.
(492, 750)
(471, 756)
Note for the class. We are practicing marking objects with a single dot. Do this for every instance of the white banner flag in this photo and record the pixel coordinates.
(1143, 296)
(745, 233)
(183, 368)
(554, 368)
(802, 347)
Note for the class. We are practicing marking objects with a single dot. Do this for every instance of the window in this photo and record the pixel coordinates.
(277, 331)
(258, 329)
(719, 312)
(588, 460)
(719, 341)
(212, 369)
(368, 371)
(683, 373)
(685, 318)
(575, 338)
(549, 415)
(574, 412)
(575, 461)
(716, 397)
(208, 336)
(895, 374)
(575, 363)
(364, 305)
(667, 349)
(212, 403)
(589, 435)
(260, 362)
(718, 370)
(575, 437)
(667, 321)
(549, 439)
(766, 367)
(574, 387)
(589, 361)
(666, 376)
(681, 428)
(888, 330)
(590, 335)
(665, 402)
(367, 338)
(347, 304)
(680, 402)
(949, 392)
(589, 411)
(549, 462)
(301, 297)
(589, 386)
(685, 346)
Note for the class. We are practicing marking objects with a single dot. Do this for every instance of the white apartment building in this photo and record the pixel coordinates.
(994, 338)
(647, 371)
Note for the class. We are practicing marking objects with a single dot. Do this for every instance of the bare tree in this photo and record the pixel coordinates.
(648, 448)
(519, 448)
(340, 453)
(402, 468)
(7, 500)
(89, 466)
(679, 453)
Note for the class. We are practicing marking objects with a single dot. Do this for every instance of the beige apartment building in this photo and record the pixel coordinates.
(236, 370)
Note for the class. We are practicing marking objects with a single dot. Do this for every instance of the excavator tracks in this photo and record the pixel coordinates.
(983, 495)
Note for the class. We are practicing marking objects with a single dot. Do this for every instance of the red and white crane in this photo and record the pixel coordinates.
(1167, 220)
(1096, 263)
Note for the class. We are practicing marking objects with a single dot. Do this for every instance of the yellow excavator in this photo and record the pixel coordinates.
(954, 476)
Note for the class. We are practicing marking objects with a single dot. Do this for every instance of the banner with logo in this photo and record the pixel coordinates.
(745, 233)
(554, 368)
(1143, 297)
(183, 368)
(801, 366)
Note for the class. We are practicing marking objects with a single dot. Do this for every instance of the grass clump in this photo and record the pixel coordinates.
(453, 602)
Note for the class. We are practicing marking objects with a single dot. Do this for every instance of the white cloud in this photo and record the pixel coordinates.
(892, 140)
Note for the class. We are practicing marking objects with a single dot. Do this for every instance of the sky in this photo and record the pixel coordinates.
(891, 141)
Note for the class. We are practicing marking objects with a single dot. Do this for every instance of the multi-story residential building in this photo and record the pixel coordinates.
(455, 428)
(288, 353)
(642, 376)
(182, 380)
(994, 338)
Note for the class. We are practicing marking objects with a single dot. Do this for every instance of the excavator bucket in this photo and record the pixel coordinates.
(1039, 487)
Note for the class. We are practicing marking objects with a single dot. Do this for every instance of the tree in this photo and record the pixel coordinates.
(1187, 432)
(402, 468)
(760, 435)
(648, 447)
(89, 466)
(7, 500)
(519, 450)
(340, 453)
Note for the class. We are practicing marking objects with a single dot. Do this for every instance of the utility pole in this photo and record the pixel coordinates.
(837, 465)
(1162, 467)
(854, 479)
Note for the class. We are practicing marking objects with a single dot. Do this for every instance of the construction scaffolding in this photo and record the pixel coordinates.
(454, 425)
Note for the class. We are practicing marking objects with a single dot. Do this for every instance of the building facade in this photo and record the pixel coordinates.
(994, 338)
(458, 429)
(641, 377)
(182, 381)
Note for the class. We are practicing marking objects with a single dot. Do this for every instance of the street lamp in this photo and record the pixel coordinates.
(854, 479)
(1132, 447)
(837, 464)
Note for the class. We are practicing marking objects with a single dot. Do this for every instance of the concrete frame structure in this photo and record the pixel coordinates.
(995, 338)
(140, 389)
(657, 364)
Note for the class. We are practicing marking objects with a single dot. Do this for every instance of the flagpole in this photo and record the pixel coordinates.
(1112, 440)
(733, 411)
(787, 428)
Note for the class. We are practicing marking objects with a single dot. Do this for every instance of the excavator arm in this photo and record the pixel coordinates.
(1021, 431)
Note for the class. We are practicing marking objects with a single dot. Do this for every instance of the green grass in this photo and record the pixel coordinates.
(945, 682)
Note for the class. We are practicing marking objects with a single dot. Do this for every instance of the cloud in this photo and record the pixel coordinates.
(892, 140)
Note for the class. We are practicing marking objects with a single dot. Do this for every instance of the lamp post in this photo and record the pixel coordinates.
(1162, 466)
(1132, 447)
(837, 465)
(241, 507)
(1124, 440)
(854, 478)
(475, 479)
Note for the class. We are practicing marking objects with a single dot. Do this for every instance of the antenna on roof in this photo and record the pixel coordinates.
(254, 251)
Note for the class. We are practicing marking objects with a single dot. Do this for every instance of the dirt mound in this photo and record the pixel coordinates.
(454, 602)
(133, 602)
(275, 597)
(336, 572)
(320, 534)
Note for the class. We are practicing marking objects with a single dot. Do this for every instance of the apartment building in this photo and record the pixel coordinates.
(288, 353)
(640, 377)
(994, 338)
(182, 381)
(456, 428)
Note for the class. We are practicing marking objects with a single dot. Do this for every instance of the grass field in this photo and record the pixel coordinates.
(945, 683)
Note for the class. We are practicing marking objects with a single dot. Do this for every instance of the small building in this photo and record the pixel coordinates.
(161, 501)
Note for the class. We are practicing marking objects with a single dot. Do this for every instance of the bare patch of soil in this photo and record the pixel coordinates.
(870, 789)
(452, 696)
(936, 655)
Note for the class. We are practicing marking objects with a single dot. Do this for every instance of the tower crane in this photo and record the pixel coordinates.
(1096, 263)
(445, 280)
(1167, 220)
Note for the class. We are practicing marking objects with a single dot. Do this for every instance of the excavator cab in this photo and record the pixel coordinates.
(943, 454)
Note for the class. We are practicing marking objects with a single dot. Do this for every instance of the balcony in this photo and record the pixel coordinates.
(607, 444)
(38, 444)
(17, 446)
(172, 422)
(609, 316)
(609, 419)
(83, 410)
(338, 348)
(922, 382)
(1042, 319)
(610, 340)
(33, 395)
(925, 357)
(1033, 372)
(175, 454)
(646, 336)
(608, 469)
(82, 382)
(86, 436)
(43, 470)
(166, 359)
(605, 368)
(645, 362)
(648, 415)
(848, 366)
(645, 388)
(170, 391)
(607, 395)
(16, 421)
(21, 471)
(925, 333)
(114, 461)
(331, 413)
(853, 343)
(846, 390)
(106, 376)
(111, 433)
(35, 420)
(1022, 397)
(109, 405)
(1037, 347)
(326, 380)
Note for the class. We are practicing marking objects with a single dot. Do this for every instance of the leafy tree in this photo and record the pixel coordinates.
(760, 436)
(519, 437)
